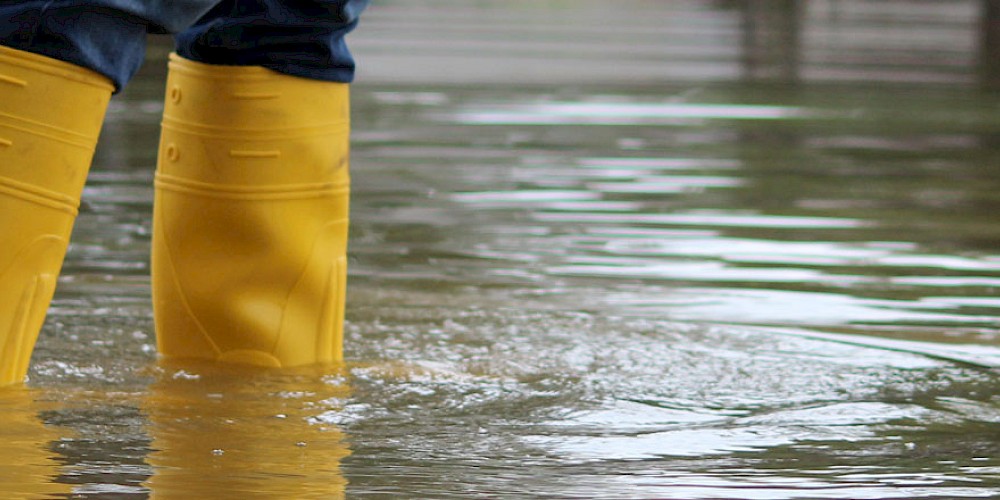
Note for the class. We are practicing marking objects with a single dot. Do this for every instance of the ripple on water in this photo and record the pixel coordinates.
(574, 295)
(667, 403)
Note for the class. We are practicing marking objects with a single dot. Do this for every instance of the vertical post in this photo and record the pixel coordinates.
(772, 40)
(989, 45)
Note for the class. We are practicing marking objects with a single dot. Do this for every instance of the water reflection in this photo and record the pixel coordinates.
(784, 218)
(221, 432)
(672, 433)
(29, 468)
(620, 113)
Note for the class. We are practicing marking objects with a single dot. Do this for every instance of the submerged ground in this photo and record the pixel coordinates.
(597, 252)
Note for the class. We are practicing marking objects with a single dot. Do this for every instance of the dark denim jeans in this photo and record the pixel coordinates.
(297, 37)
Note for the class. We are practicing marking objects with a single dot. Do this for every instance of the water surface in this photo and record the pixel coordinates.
(688, 290)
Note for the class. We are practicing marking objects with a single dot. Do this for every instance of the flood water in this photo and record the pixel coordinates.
(695, 284)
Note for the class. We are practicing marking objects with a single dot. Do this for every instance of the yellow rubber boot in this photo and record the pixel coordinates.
(50, 117)
(250, 216)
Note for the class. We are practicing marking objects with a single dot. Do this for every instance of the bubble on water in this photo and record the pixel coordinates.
(294, 394)
(183, 375)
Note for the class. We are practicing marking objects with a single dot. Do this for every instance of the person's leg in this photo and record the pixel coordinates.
(295, 37)
(250, 214)
(59, 63)
(105, 36)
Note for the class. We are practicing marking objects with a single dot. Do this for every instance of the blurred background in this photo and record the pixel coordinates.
(653, 42)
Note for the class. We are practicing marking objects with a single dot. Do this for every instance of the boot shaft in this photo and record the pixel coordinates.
(250, 216)
(50, 117)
